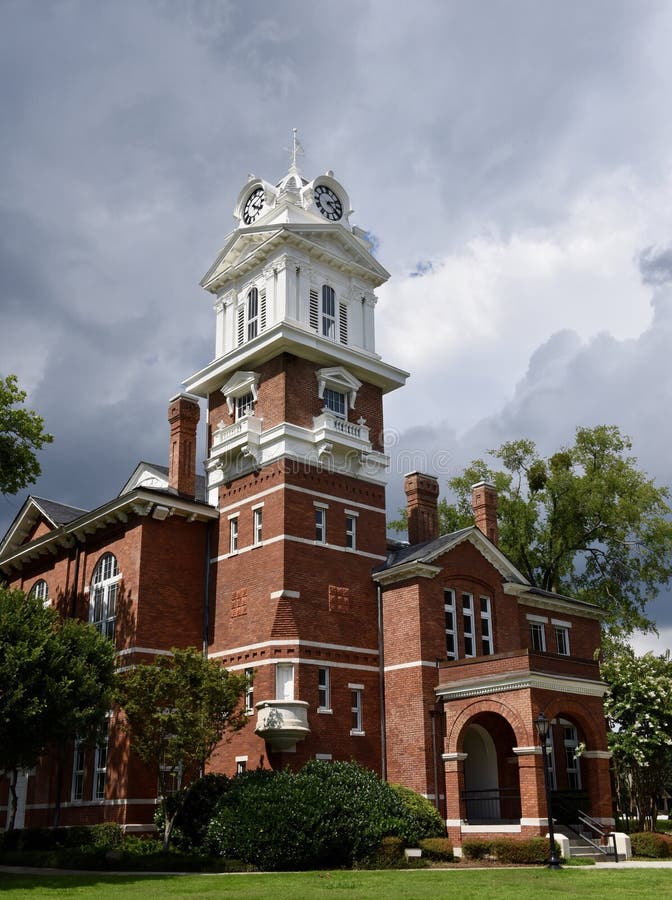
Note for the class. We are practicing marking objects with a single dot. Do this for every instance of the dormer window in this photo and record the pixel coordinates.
(337, 389)
(241, 394)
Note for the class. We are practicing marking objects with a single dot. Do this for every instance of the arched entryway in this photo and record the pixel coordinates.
(491, 783)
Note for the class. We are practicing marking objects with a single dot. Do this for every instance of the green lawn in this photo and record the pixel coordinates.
(521, 884)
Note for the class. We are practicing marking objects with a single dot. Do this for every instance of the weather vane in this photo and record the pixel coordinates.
(296, 151)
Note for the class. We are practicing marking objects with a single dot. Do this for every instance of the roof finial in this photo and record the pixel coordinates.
(297, 150)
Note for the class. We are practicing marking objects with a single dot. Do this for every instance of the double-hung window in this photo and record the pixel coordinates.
(562, 639)
(323, 690)
(468, 624)
(257, 525)
(336, 402)
(537, 636)
(356, 717)
(78, 757)
(249, 691)
(449, 610)
(233, 534)
(328, 312)
(350, 531)
(487, 648)
(100, 770)
(320, 525)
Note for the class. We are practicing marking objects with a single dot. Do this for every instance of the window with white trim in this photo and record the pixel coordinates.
(40, 591)
(562, 639)
(233, 534)
(257, 525)
(356, 718)
(449, 610)
(328, 312)
(249, 691)
(103, 594)
(323, 690)
(100, 769)
(325, 315)
(78, 757)
(538, 636)
(244, 406)
(336, 402)
(487, 646)
(320, 525)
(241, 765)
(251, 315)
(468, 624)
(284, 681)
(350, 531)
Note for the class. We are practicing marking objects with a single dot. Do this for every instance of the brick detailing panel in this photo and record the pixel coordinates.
(339, 599)
(239, 603)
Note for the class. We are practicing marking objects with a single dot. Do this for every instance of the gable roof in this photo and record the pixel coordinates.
(33, 509)
(405, 558)
(418, 560)
(154, 477)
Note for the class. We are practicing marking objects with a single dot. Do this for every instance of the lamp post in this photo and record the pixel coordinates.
(543, 728)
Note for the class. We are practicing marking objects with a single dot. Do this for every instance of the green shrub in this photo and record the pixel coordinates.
(664, 825)
(536, 850)
(325, 815)
(106, 836)
(438, 849)
(201, 799)
(420, 810)
(473, 848)
(391, 848)
(651, 844)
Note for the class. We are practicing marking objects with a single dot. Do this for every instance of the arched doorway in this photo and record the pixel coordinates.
(491, 783)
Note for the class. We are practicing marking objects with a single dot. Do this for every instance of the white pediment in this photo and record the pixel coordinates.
(148, 476)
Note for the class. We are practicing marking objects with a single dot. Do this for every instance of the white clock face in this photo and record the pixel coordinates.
(328, 203)
(253, 206)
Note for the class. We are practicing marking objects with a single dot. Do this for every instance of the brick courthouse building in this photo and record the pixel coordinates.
(427, 662)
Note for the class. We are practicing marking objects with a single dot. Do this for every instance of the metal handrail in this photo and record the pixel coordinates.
(596, 827)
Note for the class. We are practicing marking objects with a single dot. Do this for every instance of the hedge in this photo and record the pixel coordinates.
(652, 844)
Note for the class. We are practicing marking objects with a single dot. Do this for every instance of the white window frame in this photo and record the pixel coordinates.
(336, 402)
(356, 709)
(233, 533)
(40, 591)
(320, 523)
(451, 630)
(103, 592)
(238, 387)
(257, 525)
(252, 313)
(328, 312)
(487, 640)
(561, 631)
(249, 691)
(100, 769)
(284, 681)
(351, 529)
(570, 740)
(78, 771)
(324, 690)
(468, 619)
(241, 765)
(244, 406)
(537, 636)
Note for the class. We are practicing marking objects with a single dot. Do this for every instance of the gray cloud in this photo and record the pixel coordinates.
(655, 265)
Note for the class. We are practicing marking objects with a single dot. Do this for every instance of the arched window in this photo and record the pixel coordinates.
(40, 591)
(103, 599)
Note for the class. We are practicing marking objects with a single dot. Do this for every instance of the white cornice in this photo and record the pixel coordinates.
(521, 681)
(139, 502)
(294, 338)
(404, 571)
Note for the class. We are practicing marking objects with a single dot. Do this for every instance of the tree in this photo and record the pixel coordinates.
(56, 681)
(177, 710)
(584, 521)
(638, 706)
(21, 434)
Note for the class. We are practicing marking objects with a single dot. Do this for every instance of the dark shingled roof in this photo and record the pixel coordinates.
(405, 553)
(59, 513)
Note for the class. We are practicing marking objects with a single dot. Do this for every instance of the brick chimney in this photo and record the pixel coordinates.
(183, 415)
(422, 494)
(484, 504)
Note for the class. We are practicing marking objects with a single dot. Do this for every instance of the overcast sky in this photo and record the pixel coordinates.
(513, 160)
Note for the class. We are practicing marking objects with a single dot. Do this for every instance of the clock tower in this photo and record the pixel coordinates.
(297, 469)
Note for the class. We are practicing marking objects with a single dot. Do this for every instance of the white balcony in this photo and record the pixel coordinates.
(331, 429)
(244, 432)
(282, 723)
